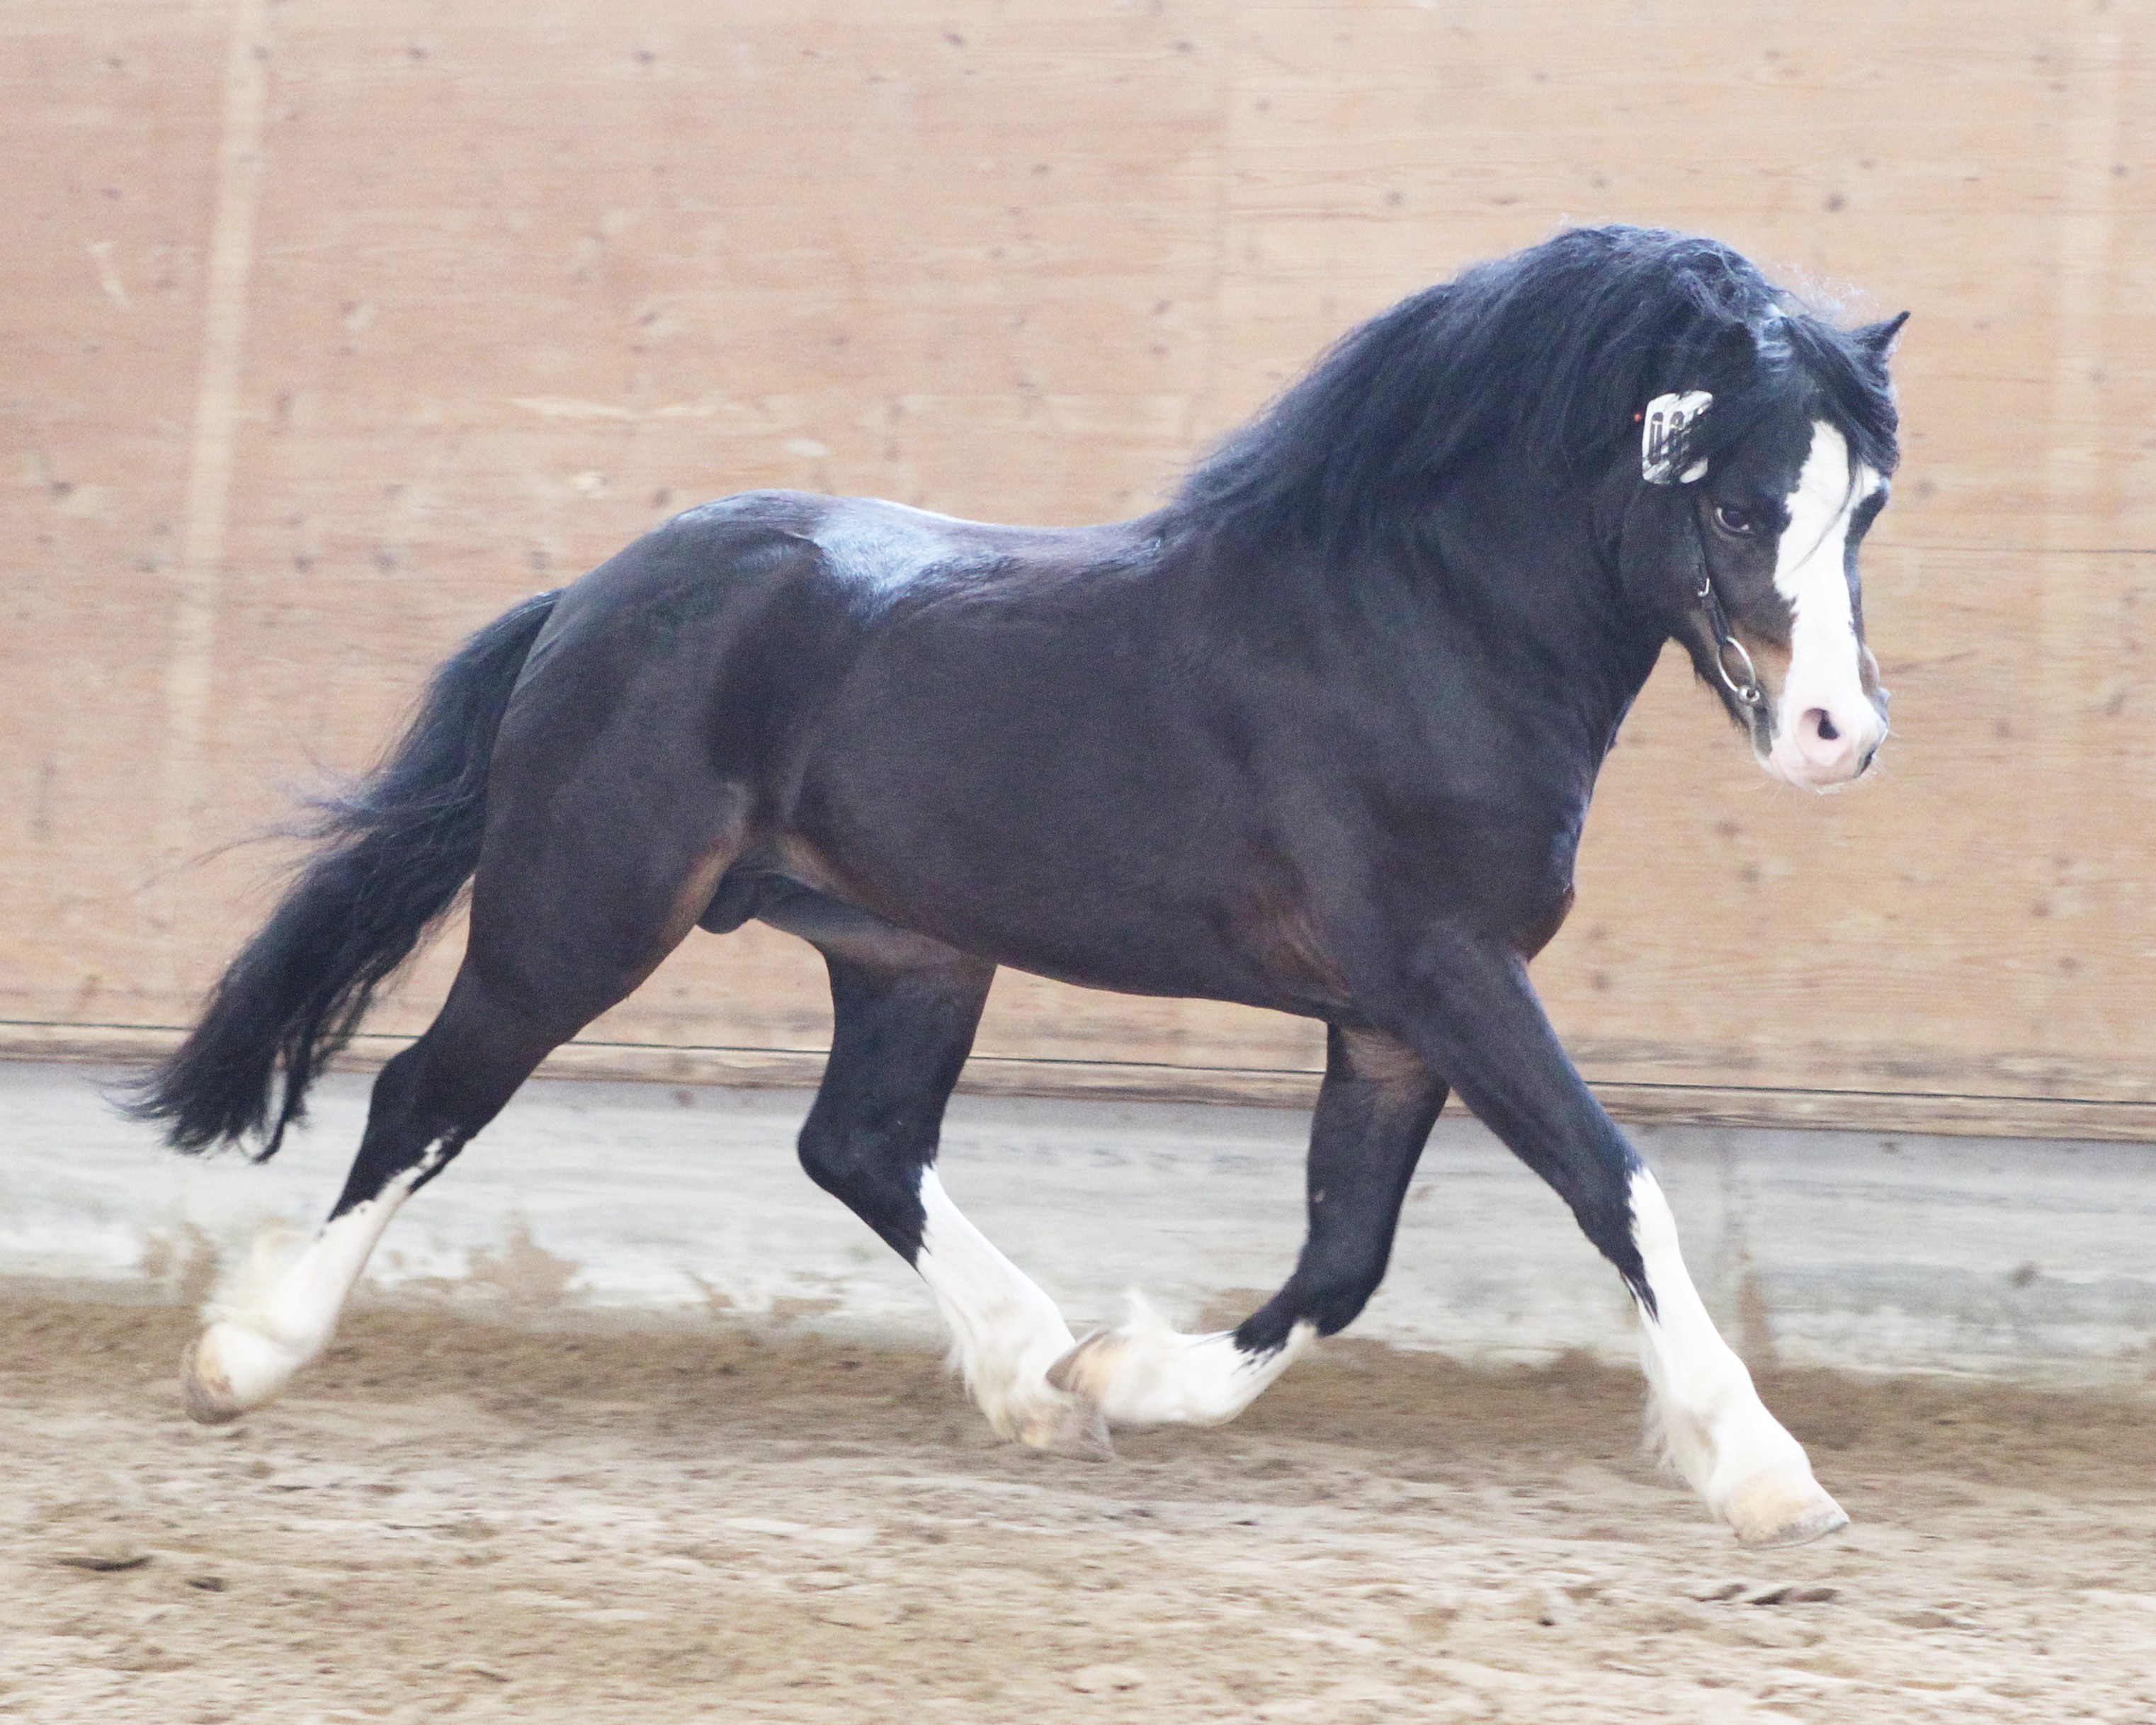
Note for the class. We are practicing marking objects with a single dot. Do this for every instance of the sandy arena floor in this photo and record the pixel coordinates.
(458, 1520)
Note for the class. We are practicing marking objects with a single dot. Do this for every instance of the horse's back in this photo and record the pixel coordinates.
(734, 627)
(861, 559)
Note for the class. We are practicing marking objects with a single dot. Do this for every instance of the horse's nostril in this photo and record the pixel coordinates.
(1826, 731)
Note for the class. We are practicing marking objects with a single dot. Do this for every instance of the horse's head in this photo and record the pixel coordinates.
(1756, 487)
(1725, 448)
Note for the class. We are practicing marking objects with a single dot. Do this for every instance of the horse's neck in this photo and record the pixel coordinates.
(1491, 599)
(1524, 597)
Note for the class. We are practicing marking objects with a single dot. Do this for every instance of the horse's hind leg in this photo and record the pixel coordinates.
(1374, 1113)
(568, 916)
(427, 1103)
(279, 1313)
(904, 1012)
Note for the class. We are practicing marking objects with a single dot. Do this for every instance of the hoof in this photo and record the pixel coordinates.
(205, 1391)
(1069, 1425)
(1147, 1373)
(1082, 1366)
(230, 1368)
(1779, 1513)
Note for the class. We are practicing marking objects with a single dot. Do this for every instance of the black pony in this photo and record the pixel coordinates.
(1318, 736)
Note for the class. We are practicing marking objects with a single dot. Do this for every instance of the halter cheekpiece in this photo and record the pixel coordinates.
(1666, 428)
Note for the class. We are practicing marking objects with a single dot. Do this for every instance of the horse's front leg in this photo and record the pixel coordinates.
(1469, 1010)
(1374, 1113)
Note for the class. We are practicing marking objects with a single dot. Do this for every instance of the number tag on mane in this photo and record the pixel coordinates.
(1663, 433)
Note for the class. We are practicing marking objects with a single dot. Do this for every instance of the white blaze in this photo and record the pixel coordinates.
(1826, 658)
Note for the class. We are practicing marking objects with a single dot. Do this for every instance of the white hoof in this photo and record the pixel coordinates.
(1144, 1373)
(1021, 1404)
(1781, 1510)
(1749, 1470)
(1061, 1424)
(230, 1368)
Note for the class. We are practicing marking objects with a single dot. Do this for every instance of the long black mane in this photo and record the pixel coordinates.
(1549, 354)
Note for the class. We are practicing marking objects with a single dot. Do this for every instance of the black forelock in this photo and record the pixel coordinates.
(1851, 387)
(1551, 351)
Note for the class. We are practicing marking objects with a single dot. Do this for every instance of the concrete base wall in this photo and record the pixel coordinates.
(2019, 1260)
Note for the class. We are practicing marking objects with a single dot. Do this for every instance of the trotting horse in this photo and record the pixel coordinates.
(1318, 736)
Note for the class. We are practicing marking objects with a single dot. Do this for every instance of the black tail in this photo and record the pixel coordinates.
(396, 850)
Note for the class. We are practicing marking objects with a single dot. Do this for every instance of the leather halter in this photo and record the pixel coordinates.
(1664, 459)
(1745, 685)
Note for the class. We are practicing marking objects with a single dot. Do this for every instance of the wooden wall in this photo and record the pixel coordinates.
(332, 329)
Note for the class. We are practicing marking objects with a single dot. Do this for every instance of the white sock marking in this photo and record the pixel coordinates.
(278, 1312)
(1718, 1432)
(1811, 573)
(1005, 1332)
(1147, 1374)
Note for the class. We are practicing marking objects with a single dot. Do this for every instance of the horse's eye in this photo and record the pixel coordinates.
(1741, 522)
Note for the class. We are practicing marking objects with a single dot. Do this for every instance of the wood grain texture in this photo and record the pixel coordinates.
(519, 281)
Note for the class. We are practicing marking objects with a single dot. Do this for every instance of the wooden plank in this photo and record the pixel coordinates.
(526, 279)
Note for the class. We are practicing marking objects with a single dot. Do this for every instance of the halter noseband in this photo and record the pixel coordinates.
(1664, 435)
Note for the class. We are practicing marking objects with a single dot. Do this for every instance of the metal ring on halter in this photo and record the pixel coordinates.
(1748, 691)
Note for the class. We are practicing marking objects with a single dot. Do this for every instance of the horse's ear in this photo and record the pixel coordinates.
(1877, 339)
